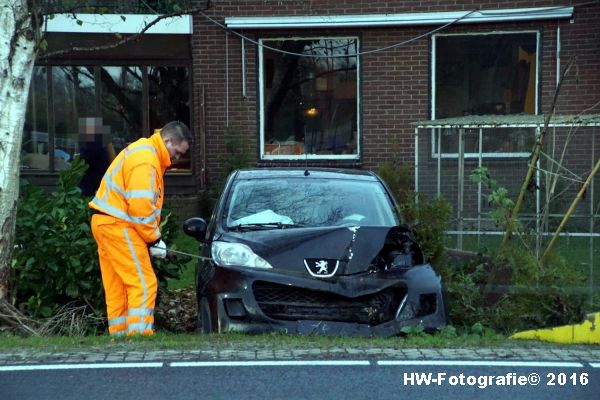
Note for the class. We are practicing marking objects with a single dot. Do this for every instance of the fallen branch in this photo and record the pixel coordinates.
(19, 322)
(70, 320)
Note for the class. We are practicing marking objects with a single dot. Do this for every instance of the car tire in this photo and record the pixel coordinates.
(204, 317)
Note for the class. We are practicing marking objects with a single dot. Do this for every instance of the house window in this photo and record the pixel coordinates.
(169, 100)
(34, 149)
(485, 74)
(87, 111)
(74, 91)
(121, 103)
(309, 104)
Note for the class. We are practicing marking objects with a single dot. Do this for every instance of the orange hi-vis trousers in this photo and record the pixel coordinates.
(129, 281)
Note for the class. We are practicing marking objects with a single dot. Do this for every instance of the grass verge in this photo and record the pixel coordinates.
(164, 341)
(190, 245)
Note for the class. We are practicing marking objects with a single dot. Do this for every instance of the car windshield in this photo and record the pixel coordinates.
(301, 202)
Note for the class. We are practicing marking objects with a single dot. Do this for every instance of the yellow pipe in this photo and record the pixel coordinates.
(586, 332)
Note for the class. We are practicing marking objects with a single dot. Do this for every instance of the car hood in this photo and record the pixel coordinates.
(351, 249)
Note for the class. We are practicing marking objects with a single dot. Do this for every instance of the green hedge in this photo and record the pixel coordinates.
(55, 257)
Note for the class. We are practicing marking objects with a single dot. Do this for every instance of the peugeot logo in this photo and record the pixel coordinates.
(321, 267)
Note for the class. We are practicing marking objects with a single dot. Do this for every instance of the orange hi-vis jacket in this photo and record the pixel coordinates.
(129, 202)
(132, 188)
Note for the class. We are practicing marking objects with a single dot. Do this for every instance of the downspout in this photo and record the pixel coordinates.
(226, 79)
(203, 135)
(244, 93)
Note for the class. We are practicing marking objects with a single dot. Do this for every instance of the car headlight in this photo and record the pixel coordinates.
(237, 255)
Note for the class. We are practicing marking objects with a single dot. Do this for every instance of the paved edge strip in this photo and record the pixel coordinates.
(485, 363)
(276, 363)
(43, 367)
(268, 363)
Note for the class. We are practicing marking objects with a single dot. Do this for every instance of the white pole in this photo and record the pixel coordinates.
(592, 216)
(439, 161)
(538, 239)
(479, 206)
(417, 165)
(461, 170)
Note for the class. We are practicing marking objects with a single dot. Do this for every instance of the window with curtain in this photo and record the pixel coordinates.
(485, 74)
(309, 103)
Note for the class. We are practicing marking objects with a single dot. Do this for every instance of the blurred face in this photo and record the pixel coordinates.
(176, 150)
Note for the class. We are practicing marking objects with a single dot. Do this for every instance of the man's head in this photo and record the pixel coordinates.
(176, 137)
(91, 130)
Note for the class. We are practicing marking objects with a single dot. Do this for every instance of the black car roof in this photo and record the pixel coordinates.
(292, 172)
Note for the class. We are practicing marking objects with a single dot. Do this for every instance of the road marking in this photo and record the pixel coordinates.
(45, 367)
(283, 363)
(485, 363)
(274, 363)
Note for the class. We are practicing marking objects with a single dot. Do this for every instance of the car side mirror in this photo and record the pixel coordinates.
(196, 228)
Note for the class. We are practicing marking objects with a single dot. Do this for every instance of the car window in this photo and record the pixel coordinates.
(309, 202)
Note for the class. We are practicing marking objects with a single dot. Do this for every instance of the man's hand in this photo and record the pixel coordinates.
(159, 250)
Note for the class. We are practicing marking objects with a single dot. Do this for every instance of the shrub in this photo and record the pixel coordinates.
(56, 259)
(428, 219)
(509, 290)
(521, 295)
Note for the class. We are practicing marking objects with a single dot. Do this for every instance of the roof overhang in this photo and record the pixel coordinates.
(404, 19)
(118, 23)
(516, 120)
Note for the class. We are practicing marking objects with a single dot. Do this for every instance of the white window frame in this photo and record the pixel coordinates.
(264, 156)
(434, 131)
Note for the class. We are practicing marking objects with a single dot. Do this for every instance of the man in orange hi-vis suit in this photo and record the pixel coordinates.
(125, 223)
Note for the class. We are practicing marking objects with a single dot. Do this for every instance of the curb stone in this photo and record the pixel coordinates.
(86, 356)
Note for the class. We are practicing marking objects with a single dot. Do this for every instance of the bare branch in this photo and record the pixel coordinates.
(11, 316)
(534, 157)
(191, 11)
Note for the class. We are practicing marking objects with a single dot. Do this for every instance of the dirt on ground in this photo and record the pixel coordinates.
(176, 310)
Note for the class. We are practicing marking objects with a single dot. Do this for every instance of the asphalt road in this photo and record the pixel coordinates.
(324, 379)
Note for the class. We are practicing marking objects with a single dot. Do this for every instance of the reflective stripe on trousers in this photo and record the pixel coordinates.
(128, 278)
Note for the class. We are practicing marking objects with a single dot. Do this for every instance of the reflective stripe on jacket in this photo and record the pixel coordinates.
(132, 188)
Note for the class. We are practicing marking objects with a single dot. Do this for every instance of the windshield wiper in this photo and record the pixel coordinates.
(263, 226)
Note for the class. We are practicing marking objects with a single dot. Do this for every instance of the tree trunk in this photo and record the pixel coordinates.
(17, 56)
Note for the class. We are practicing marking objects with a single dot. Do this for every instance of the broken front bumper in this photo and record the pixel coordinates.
(366, 304)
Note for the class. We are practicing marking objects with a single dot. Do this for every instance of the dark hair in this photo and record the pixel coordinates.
(177, 131)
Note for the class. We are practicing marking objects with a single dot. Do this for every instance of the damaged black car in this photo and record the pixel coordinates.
(311, 251)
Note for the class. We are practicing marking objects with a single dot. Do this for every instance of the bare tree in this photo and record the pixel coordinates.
(21, 41)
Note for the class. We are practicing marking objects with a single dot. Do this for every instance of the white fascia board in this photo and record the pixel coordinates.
(118, 23)
(405, 19)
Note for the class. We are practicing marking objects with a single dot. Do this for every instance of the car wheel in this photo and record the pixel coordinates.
(204, 320)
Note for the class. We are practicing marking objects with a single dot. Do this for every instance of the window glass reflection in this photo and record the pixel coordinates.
(494, 140)
(34, 151)
(492, 74)
(96, 119)
(310, 103)
(74, 97)
(168, 92)
(122, 103)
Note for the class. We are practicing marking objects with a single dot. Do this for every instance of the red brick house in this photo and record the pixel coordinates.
(331, 82)
(380, 66)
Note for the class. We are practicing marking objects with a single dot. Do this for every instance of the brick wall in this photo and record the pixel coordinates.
(394, 84)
